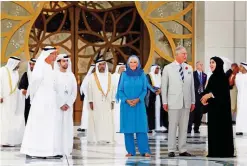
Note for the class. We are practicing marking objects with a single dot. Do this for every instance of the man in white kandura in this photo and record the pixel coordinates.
(84, 93)
(178, 97)
(66, 92)
(40, 139)
(155, 76)
(241, 83)
(115, 78)
(101, 97)
(11, 106)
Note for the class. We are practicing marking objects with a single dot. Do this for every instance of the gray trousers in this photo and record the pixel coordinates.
(178, 119)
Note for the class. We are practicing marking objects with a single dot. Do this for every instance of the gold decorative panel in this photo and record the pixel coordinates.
(53, 27)
(115, 33)
(170, 24)
(17, 19)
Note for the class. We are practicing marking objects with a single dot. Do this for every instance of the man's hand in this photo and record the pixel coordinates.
(91, 105)
(165, 107)
(192, 108)
(236, 70)
(1, 100)
(24, 92)
(158, 92)
(64, 107)
(67, 107)
(112, 105)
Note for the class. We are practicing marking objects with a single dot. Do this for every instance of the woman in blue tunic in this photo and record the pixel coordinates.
(132, 90)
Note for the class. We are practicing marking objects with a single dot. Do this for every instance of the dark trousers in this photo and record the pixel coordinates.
(164, 119)
(26, 113)
(196, 115)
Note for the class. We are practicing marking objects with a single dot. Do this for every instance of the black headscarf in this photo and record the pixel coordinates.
(219, 70)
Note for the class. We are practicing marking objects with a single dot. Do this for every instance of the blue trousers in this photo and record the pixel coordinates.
(142, 143)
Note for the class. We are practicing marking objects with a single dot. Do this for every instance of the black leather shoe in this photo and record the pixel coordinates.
(81, 130)
(185, 154)
(239, 133)
(171, 154)
(58, 156)
(34, 157)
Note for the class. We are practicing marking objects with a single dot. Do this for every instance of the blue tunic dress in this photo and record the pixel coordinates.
(132, 119)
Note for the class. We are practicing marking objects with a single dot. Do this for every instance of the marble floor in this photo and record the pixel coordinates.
(114, 155)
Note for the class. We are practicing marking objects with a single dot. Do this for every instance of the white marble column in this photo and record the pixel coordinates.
(225, 30)
(219, 30)
(240, 31)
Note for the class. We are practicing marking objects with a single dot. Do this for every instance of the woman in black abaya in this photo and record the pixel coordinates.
(217, 102)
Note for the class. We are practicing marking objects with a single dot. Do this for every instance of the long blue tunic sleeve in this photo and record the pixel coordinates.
(133, 119)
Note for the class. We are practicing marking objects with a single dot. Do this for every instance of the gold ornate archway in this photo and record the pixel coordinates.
(169, 23)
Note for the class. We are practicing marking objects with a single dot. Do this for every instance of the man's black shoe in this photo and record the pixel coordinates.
(34, 157)
(81, 130)
(185, 154)
(171, 154)
(58, 156)
(239, 133)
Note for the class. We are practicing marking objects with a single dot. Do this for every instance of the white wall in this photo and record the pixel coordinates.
(246, 31)
(225, 30)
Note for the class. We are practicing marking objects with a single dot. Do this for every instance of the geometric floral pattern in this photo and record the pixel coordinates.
(17, 19)
(170, 24)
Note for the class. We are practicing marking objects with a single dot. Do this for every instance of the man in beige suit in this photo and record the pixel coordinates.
(178, 99)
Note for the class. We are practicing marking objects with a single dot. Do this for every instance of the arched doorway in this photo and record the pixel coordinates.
(83, 29)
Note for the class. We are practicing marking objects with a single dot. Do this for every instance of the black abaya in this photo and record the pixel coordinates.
(220, 132)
